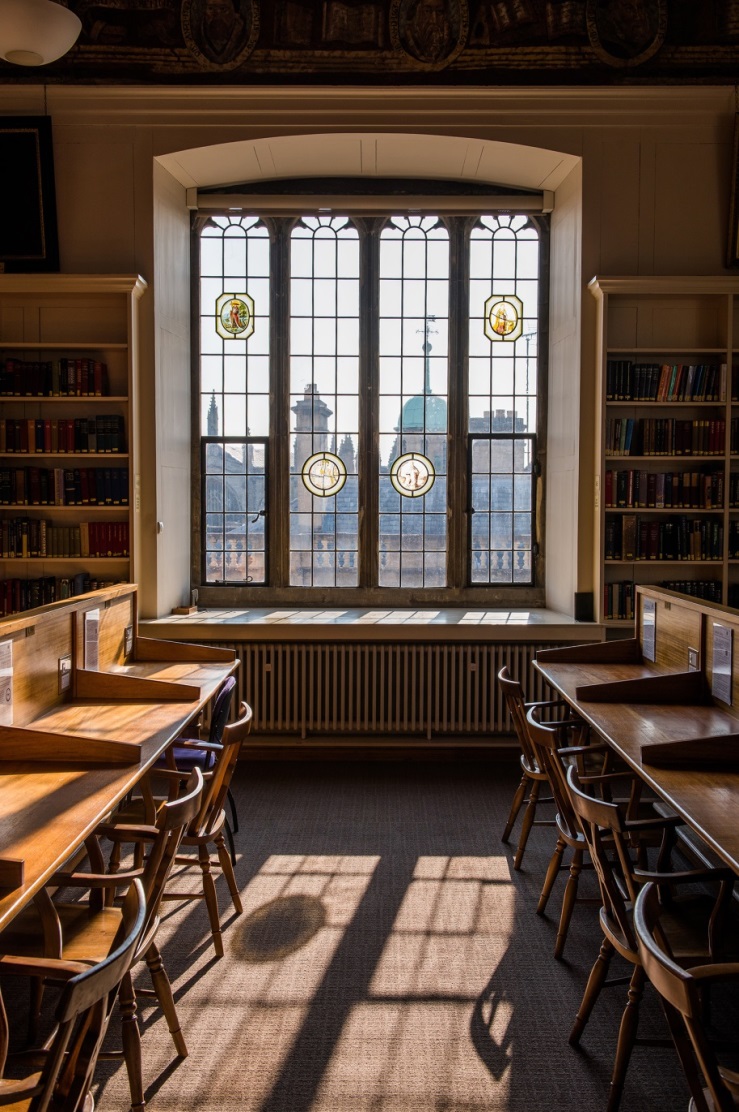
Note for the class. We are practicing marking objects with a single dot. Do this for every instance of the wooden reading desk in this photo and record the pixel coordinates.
(663, 715)
(70, 755)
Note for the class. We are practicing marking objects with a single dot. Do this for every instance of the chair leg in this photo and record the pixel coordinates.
(230, 840)
(515, 807)
(555, 863)
(211, 899)
(596, 980)
(568, 903)
(686, 1055)
(131, 1042)
(227, 868)
(626, 1037)
(528, 822)
(234, 812)
(163, 990)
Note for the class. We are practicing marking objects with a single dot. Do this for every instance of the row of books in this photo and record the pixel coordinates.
(58, 378)
(19, 595)
(57, 486)
(678, 490)
(665, 382)
(664, 436)
(25, 537)
(630, 537)
(618, 598)
(734, 489)
(708, 589)
(102, 433)
(734, 540)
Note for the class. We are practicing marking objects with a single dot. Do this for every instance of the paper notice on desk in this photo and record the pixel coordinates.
(722, 663)
(649, 629)
(6, 683)
(92, 639)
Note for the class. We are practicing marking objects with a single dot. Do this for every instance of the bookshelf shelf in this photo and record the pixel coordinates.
(671, 511)
(20, 508)
(667, 347)
(683, 563)
(77, 333)
(644, 404)
(15, 560)
(662, 456)
(66, 455)
(59, 399)
(63, 345)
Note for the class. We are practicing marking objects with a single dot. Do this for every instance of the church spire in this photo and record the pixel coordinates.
(212, 420)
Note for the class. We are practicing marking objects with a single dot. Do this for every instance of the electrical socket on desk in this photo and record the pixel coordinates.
(128, 640)
(694, 660)
(65, 673)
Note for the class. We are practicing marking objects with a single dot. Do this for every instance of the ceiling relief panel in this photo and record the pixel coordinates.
(399, 42)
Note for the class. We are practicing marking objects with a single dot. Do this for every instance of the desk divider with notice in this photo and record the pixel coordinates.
(680, 657)
(82, 691)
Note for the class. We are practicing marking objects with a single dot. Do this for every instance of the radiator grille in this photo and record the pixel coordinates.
(370, 689)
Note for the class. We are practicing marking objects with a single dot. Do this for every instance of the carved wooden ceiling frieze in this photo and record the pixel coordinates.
(386, 42)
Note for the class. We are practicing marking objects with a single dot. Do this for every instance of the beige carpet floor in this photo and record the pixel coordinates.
(389, 959)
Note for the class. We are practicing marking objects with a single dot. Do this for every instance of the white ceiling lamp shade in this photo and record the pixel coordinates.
(36, 32)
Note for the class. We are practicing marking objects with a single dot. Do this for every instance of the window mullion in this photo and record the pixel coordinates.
(279, 489)
(369, 447)
(458, 496)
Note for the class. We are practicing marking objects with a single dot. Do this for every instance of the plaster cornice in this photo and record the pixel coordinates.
(392, 108)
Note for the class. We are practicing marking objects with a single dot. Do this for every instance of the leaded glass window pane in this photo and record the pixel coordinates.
(414, 375)
(235, 492)
(504, 263)
(324, 403)
(502, 519)
(234, 389)
(234, 396)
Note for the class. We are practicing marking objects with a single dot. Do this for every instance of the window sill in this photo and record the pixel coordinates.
(365, 624)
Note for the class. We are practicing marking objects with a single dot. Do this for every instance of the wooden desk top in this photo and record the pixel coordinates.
(46, 811)
(707, 800)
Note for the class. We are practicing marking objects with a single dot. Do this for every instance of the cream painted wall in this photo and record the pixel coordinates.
(563, 414)
(172, 395)
(651, 198)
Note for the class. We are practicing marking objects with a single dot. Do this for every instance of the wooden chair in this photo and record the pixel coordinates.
(618, 847)
(63, 1067)
(553, 758)
(81, 931)
(683, 991)
(532, 775)
(187, 751)
(205, 832)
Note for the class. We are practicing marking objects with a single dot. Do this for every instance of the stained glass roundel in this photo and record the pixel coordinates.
(234, 316)
(412, 474)
(503, 317)
(324, 474)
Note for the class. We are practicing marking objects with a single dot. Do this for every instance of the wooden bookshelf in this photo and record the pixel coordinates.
(68, 354)
(667, 480)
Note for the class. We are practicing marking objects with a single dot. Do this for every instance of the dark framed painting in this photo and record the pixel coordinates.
(28, 229)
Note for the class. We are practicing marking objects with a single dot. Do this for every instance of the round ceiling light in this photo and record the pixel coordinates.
(36, 32)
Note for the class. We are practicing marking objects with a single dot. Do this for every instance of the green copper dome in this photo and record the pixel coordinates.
(414, 410)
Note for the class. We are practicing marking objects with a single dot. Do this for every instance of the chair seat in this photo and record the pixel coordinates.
(187, 758)
(683, 925)
(86, 934)
(25, 1104)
